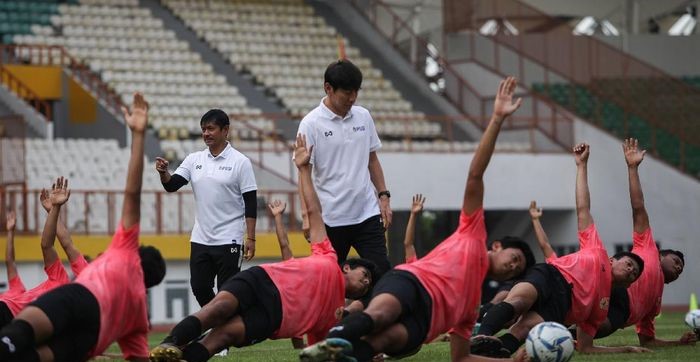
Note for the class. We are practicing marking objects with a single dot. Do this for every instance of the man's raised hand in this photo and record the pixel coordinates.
(137, 119)
(60, 192)
(302, 155)
(417, 205)
(11, 220)
(633, 155)
(277, 207)
(162, 165)
(45, 199)
(503, 105)
(581, 153)
(535, 212)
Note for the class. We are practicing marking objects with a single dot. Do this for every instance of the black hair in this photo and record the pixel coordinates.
(344, 75)
(217, 116)
(518, 243)
(152, 264)
(632, 256)
(664, 252)
(367, 264)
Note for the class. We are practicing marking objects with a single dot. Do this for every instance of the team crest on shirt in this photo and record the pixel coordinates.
(358, 129)
(604, 303)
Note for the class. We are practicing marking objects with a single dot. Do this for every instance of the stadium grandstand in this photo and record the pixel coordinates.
(588, 71)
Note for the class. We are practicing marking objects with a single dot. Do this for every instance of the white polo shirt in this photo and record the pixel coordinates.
(340, 161)
(218, 184)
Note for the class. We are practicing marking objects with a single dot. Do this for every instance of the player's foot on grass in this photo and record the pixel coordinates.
(165, 352)
(488, 346)
(332, 349)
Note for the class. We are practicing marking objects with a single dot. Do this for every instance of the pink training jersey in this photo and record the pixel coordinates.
(645, 294)
(15, 287)
(116, 280)
(588, 272)
(452, 274)
(57, 276)
(312, 290)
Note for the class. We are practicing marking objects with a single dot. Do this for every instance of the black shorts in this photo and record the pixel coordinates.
(553, 292)
(75, 315)
(5, 315)
(416, 307)
(619, 311)
(260, 305)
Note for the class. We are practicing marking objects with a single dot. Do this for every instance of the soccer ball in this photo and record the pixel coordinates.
(549, 342)
(692, 319)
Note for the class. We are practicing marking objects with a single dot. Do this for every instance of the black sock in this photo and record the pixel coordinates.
(484, 308)
(510, 342)
(496, 318)
(15, 339)
(185, 332)
(362, 350)
(30, 356)
(353, 327)
(195, 352)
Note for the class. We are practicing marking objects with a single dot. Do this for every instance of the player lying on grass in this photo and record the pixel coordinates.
(107, 301)
(641, 303)
(572, 289)
(277, 208)
(414, 303)
(279, 300)
(11, 305)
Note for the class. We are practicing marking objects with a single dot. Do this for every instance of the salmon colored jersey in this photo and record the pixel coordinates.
(645, 294)
(78, 265)
(452, 274)
(116, 280)
(57, 276)
(589, 273)
(15, 287)
(312, 291)
(411, 259)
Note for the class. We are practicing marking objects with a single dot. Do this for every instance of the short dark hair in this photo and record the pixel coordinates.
(152, 264)
(518, 243)
(367, 264)
(664, 252)
(217, 116)
(632, 256)
(344, 75)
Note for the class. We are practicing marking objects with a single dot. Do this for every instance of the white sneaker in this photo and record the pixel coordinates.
(223, 353)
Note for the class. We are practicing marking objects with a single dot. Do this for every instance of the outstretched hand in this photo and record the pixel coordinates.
(503, 105)
(418, 201)
(302, 155)
(535, 212)
(137, 119)
(45, 199)
(60, 191)
(581, 153)
(633, 155)
(277, 207)
(162, 165)
(11, 220)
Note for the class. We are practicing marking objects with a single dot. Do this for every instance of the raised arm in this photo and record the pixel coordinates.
(62, 232)
(376, 174)
(634, 156)
(11, 222)
(502, 108)
(137, 120)
(542, 239)
(408, 241)
(58, 196)
(277, 208)
(302, 156)
(583, 197)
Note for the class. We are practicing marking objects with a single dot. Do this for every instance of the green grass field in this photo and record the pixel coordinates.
(669, 326)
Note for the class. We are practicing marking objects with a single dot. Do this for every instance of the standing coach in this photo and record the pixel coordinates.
(225, 195)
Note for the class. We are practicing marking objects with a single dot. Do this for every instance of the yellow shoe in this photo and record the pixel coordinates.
(165, 352)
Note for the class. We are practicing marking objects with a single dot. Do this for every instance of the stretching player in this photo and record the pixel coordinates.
(15, 285)
(280, 300)
(416, 208)
(414, 303)
(641, 303)
(574, 288)
(11, 305)
(107, 301)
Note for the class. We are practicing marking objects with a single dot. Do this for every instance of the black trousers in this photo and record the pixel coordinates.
(366, 237)
(209, 262)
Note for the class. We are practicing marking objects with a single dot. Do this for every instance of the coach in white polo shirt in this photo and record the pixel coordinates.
(347, 174)
(225, 194)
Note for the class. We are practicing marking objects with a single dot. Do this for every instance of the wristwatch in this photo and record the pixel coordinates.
(384, 193)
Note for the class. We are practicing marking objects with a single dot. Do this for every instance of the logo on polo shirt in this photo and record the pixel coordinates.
(358, 129)
(328, 134)
(198, 167)
(225, 168)
(604, 303)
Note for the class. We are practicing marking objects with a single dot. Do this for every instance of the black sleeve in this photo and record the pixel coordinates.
(176, 181)
(250, 199)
